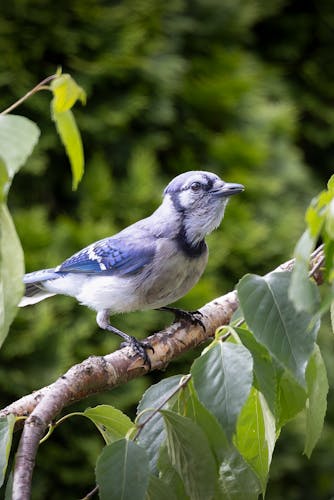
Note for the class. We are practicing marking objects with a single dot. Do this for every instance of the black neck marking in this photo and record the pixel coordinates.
(191, 250)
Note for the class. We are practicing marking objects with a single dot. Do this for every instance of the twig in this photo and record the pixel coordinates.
(319, 262)
(91, 493)
(39, 86)
(154, 411)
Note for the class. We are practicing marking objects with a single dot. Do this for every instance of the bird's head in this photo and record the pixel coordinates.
(200, 198)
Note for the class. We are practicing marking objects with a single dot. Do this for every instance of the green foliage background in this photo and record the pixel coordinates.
(243, 88)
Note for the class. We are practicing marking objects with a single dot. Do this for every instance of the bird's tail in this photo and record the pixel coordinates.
(34, 289)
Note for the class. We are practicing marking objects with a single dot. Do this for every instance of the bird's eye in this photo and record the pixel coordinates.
(195, 186)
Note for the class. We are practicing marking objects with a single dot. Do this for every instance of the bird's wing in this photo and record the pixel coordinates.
(121, 256)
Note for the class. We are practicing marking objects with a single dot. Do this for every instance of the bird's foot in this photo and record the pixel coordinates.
(193, 317)
(140, 348)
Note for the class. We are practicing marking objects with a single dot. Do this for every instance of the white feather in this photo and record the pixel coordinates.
(28, 301)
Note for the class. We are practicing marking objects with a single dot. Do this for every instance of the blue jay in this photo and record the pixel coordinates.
(148, 265)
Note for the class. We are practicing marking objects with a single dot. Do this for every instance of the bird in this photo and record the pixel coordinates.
(149, 264)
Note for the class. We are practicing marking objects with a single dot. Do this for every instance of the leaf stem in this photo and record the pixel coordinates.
(53, 426)
(182, 384)
(40, 86)
(48, 434)
(228, 334)
(91, 493)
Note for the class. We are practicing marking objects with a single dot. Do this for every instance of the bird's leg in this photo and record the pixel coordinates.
(193, 317)
(137, 346)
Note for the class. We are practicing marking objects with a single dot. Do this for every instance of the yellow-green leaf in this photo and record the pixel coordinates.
(111, 422)
(65, 93)
(330, 184)
(256, 435)
(70, 137)
(330, 219)
(314, 220)
(4, 181)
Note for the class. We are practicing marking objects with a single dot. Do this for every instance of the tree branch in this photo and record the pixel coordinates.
(98, 374)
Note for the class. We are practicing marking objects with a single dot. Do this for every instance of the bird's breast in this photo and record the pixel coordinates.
(172, 275)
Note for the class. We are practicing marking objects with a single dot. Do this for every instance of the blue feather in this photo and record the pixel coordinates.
(109, 256)
(39, 276)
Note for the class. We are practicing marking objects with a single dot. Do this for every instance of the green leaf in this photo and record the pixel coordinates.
(302, 291)
(190, 454)
(314, 221)
(169, 476)
(330, 184)
(18, 136)
(193, 408)
(329, 258)
(315, 214)
(264, 370)
(111, 422)
(271, 315)
(222, 378)
(11, 271)
(66, 92)
(256, 435)
(317, 385)
(237, 481)
(329, 224)
(291, 399)
(153, 433)
(157, 490)
(70, 137)
(11, 255)
(122, 471)
(6, 434)
(4, 181)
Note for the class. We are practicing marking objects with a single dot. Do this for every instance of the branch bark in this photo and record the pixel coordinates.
(97, 374)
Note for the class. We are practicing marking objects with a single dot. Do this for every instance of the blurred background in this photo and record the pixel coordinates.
(244, 88)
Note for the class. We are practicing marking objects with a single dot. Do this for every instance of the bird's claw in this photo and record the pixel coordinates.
(193, 317)
(139, 348)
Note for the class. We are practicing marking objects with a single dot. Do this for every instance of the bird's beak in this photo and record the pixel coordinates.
(227, 189)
